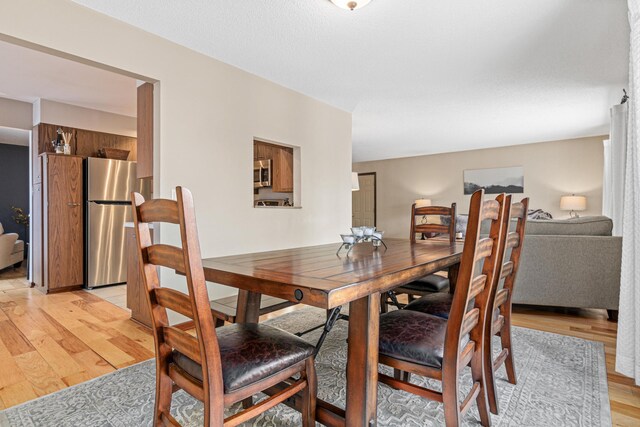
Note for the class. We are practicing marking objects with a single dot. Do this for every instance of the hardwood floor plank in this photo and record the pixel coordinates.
(15, 342)
(56, 356)
(132, 348)
(17, 393)
(111, 353)
(39, 374)
(10, 373)
(78, 378)
(93, 364)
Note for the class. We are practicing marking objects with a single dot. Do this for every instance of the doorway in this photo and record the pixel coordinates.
(14, 207)
(363, 201)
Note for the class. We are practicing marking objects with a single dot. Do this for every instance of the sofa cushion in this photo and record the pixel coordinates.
(583, 226)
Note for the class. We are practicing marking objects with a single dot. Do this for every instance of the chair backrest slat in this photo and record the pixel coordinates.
(425, 211)
(166, 256)
(159, 210)
(477, 286)
(507, 268)
(183, 342)
(470, 321)
(174, 300)
(513, 240)
(484, 249)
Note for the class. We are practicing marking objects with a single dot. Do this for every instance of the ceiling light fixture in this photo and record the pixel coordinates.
(350, 4)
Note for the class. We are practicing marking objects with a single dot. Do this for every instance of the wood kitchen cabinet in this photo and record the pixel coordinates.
(282, 174)
(58, 225)
(145, 131)
(281, 164)
(136, 293)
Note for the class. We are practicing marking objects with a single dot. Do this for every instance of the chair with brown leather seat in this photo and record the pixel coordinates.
(500, 307)
(500, 322)
(445, 226)
(412, 342)
(216, 366)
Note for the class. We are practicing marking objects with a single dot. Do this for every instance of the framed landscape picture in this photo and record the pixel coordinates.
(494, 180)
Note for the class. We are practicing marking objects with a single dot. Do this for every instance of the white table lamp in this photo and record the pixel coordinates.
(422, 203)
(573, 204)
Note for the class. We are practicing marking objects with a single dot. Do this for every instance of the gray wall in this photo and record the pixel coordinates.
(14, 185)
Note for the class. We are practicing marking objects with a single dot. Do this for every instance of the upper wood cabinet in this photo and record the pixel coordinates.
(281, 164)
(145, 131)
(282, 174)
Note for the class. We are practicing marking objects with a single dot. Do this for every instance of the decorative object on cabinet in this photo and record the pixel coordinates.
(113, 153)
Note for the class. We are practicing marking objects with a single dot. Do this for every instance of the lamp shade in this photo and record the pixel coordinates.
(355, 182)
(350, 4)
(573, 203)
(422, 203)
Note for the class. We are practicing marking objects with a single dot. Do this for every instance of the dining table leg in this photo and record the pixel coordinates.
(362, 361)
(248, 311)
(453, 276)
(248, 307)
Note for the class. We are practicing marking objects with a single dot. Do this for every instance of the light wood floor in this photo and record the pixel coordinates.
(49, 342)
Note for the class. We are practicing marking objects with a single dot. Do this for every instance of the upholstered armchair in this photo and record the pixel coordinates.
(11, 249)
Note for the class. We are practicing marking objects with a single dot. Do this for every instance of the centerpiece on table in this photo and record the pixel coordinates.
(361, 235)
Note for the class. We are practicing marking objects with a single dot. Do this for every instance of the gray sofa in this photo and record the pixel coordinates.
(570, 263)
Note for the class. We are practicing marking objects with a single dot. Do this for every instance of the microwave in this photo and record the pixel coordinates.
(262, 173)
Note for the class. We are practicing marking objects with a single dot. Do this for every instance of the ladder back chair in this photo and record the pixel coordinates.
(412, 342)
(432, 282)
(499, 323)
(216, 366)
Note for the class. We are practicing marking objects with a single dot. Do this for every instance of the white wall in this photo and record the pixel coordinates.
(551, 170)
(58, 113)
(209, 114)
(15, 114)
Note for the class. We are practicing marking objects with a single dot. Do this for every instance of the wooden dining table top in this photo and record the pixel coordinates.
(316, 276)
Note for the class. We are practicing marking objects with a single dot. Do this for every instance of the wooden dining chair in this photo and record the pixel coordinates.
(413, 342)
(499, 323)
(216, 366)
(432, 282)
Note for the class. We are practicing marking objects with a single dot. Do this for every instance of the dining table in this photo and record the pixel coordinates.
(318, 276)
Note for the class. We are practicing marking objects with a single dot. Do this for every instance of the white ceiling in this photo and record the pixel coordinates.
(420, 76)
(14, 136)
(27, 75)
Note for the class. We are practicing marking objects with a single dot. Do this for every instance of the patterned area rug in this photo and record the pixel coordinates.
(561, 382)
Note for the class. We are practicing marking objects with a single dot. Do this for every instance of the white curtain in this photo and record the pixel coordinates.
(615, 155)
(628, 343)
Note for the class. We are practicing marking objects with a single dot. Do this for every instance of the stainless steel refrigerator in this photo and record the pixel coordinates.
(108, 187)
